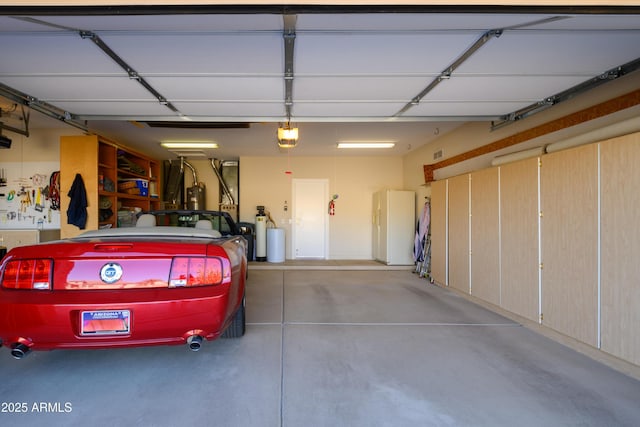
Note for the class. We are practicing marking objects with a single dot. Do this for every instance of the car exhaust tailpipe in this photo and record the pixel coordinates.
(194, 342)
(19, 350)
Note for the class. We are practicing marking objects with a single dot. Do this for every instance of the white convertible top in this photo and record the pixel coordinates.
(157, 231)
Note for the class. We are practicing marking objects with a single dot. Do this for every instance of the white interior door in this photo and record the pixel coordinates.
(310, 226)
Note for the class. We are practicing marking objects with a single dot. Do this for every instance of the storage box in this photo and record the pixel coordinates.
(138, 187)
(126, 218)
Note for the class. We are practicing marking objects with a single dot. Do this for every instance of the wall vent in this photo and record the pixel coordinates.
(438, 154)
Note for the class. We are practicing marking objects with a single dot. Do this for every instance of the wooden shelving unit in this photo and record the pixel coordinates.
(106, 167)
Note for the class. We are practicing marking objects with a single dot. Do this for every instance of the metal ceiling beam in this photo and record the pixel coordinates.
(447, 72)
(275, 119)
(289, 36)
(567, 94)
(25, 119)
(133, 74)
(612, 7)
(42, 107)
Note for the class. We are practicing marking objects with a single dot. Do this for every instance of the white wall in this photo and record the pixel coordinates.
(264, 181)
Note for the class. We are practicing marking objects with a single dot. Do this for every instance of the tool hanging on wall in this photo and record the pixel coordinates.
(54, 190)
(25, 201)
(39, 206)
(39, 180)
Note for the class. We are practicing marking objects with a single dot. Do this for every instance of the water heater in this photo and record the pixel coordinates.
(196, 197)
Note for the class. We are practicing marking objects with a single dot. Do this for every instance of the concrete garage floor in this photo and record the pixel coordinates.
(330, 348)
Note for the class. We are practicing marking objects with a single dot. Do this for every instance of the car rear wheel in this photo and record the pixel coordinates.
(237, 326)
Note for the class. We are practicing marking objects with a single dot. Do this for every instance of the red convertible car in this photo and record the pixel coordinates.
(176, 278)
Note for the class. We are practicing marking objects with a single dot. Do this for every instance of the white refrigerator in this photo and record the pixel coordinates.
(394, 226)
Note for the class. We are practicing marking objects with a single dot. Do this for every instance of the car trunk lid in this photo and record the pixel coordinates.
(119, 264)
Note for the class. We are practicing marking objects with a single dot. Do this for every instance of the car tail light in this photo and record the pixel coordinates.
(27, 274)
(199, 271)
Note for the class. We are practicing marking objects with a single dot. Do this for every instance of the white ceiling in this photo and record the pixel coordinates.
(352, 72)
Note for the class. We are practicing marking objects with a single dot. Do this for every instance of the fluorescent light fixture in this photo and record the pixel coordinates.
(365, 144)
(189, 153)
(193, 145)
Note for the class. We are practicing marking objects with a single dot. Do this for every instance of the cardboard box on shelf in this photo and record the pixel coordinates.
(138, 187)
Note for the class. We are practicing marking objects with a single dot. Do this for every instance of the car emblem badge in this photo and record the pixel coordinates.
(111, 273)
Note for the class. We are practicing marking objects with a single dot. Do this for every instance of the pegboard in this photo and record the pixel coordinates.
(24, 203)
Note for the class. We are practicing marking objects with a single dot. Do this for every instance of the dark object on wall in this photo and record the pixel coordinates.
(53, 192)
(109, 185)
(174, 182)
(104, 214)
(230, 171)
(77, 211)
(248, 231)
(5, 142)
(128, 165)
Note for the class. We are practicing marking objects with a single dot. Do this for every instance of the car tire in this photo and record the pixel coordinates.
(237, 327)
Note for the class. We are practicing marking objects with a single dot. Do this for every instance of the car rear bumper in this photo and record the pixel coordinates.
(52, 320)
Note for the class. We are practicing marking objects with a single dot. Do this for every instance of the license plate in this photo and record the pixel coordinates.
(105, 322)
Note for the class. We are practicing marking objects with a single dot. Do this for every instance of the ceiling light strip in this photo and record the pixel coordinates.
(366, 144)
(189, 145)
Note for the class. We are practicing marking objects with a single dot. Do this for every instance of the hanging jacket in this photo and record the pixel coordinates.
(77, 211)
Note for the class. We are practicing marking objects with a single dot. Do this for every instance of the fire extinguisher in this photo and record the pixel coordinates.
(332, 205)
